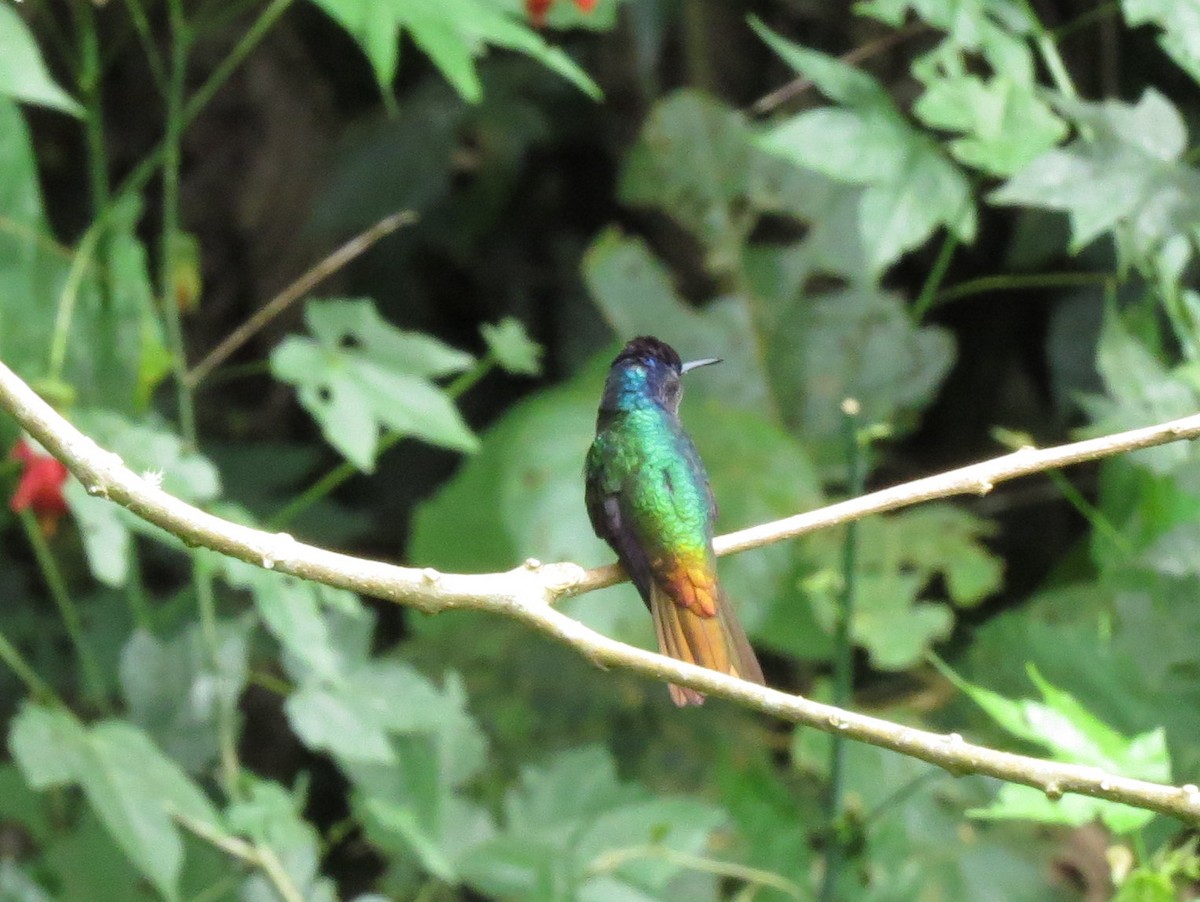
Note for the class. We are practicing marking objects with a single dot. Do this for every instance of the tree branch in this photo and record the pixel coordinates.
(528, 592)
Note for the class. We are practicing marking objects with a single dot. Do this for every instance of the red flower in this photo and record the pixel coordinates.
(40, 487)
(537, 9)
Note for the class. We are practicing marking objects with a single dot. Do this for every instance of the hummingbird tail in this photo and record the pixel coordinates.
(718, 642)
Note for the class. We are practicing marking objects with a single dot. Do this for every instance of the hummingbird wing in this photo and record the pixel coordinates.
(603, 494)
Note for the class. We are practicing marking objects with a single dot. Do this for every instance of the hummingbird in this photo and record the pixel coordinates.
(648, 497)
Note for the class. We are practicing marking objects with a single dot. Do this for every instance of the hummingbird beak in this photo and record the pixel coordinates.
(693, 364)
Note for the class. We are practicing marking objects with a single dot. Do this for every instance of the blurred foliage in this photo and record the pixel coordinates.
(961, 215)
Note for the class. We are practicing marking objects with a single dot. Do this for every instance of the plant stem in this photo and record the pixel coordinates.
(16, 662)
(1048, 49)
(89, 87)
(984, 284)
(843, 662)
(88, 665)
(202, 579)
(141, 24)
(345, 470)
(937, 273)
(141, 175)
(170, 216)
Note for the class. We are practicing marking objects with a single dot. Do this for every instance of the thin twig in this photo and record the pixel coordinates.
(798, 86)
(260, 856)
(528, 592)
(298, 289)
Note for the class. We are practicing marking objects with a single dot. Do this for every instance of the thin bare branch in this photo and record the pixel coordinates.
(800, 84)
(298, 289)
(527, 593)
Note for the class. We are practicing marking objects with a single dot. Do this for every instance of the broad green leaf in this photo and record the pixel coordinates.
(49, 745)
(1003, 122)
(292, 609)
(697, 161)
(88, 863)
(511, 346)
(23, 74)
(135, 790)
(361, 375)
(1072, 734)
(917, 844)
(565, 824)
(1179, 24)
(269, 815)
(105, 533)
(837, 80)
(898, 613)
(1144, 885)
(854, 343)
(1142, 390)
(351, 716)
(177, 693)
(357, 325)
(411, 799)
(31, 270)
(1123, 174)
(909, 187)
(15, 884)
(965, 21)
(112, 351)
(452, 34)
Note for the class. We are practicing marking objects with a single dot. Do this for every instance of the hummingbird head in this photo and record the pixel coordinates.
(647, 369)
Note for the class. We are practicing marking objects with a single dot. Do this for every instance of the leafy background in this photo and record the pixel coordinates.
(976, 219)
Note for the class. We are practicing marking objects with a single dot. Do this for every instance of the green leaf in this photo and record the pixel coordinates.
(134, 789)
(357, 325)
(15, 884)
(903, 559)
(23, 74)
(1179, 24)
(1144, 885)
(696, 159)
(269, 815)
(452, 33)
(569, 824)
(105, 534)
(1141, 391)
(177, 693)
(353, 715)
(837, 80)
(48, 744)
(1004, 123)
(361, 375)
(512, 347)
(412, 799)
(967, 22)
(292, 610)
(1124, 171)
(909, 187)
(1072, 734)
(855, 343)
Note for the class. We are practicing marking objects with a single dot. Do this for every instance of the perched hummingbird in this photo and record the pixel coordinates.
(648, 496)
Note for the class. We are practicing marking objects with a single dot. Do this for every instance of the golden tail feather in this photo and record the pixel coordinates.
(718, 643)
